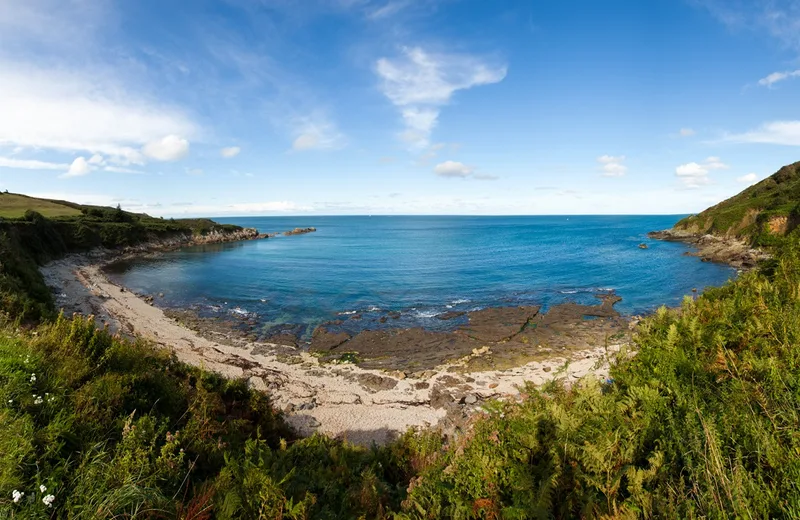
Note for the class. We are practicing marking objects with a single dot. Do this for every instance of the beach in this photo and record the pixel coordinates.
(337, 399)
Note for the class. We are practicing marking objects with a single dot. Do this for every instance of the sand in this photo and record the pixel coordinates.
(340, 400)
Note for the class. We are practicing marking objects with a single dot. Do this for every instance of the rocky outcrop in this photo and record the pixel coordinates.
(299, 231)
(711, 248)
(216, 237)
(491, 338)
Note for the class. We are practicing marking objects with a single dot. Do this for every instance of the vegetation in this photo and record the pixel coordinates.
(13, 205)
(32, 239)
(702, 422)
(763, 211)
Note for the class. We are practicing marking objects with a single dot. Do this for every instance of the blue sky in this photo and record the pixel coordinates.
(236, 107)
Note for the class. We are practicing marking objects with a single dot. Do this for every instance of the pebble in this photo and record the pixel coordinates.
(470, 399)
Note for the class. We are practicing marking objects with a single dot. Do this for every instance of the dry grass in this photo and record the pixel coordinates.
(15, 206)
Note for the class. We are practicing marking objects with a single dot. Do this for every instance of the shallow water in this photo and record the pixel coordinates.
(423, 266)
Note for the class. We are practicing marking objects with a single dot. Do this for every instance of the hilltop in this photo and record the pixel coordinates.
(34, 231)
(768, 209)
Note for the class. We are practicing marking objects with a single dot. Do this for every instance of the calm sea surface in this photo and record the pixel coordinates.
(423, 266)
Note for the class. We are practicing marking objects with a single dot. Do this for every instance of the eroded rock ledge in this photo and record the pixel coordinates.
(711, 248)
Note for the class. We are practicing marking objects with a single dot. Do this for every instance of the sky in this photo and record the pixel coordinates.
(467, 107)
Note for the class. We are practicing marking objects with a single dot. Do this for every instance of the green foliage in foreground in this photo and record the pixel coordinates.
(113, 429)
(702, 422)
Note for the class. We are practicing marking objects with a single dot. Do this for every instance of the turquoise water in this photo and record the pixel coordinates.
(423, 266)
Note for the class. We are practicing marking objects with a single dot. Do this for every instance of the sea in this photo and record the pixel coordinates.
(416, 268)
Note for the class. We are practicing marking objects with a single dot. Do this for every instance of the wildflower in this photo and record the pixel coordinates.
(10, 401)
(33, 378)
(48, 500)
(17, 495)
(42, 488)
(37, 399)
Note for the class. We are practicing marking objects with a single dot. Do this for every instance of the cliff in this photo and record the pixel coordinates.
(28, 238)
(758, 215)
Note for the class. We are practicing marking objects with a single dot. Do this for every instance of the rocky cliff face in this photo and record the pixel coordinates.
(770, 207)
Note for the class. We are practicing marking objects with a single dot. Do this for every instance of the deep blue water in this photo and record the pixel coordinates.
(423, 266)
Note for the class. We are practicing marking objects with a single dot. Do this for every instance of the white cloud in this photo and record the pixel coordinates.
(30, 164)
(613, 165)
(695, 175)
(169, 148)
(388, 10)
(305, 142)
(775, 77)
(81, 111)
(97, 160)
(686, 132)
(750, 178)
(777, 132)
(231, 151)
(420, 82)
(453, 169)
(315, 132)
(78, 168)
(459, 170)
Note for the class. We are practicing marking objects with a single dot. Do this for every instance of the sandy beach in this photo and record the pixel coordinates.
(340, 400)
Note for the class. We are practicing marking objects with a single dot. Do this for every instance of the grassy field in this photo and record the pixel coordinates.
(15, 206)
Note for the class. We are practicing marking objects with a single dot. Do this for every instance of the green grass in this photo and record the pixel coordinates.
(13, 205)
(747, 214)
(702, 422)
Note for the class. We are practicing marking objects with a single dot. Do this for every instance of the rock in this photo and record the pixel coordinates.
(547, 369)
(299, 231)
(449, 315)
(493, 385)
(642, 246)
(324, 340)
(422, 385)
(376, 383)
(498, 323)
(470, 399)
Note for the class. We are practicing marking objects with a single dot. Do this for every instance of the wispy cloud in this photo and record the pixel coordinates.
(30, 164)
(81, 112)
(419, 83)
(230, 152)
(686, 132)
(750, 178)
(459, 170)
(777, 132)
(695, 175)
(613, 165)
(779, 19)
(316, 132)
(775, 77)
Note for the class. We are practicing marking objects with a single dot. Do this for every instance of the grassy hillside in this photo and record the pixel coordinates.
(31, 239)
(767, 209)
(13, 205)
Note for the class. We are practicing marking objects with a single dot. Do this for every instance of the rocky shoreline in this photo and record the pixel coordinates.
(711, 248)
(372, 386)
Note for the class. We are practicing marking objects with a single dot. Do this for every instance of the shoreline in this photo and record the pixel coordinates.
(340, 399)
(712, 248)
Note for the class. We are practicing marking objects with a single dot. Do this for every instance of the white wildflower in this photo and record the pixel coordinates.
(42, 488)
(48, 500)
(37, 399)
(10, 401)
(33, 378)
(17, 496)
